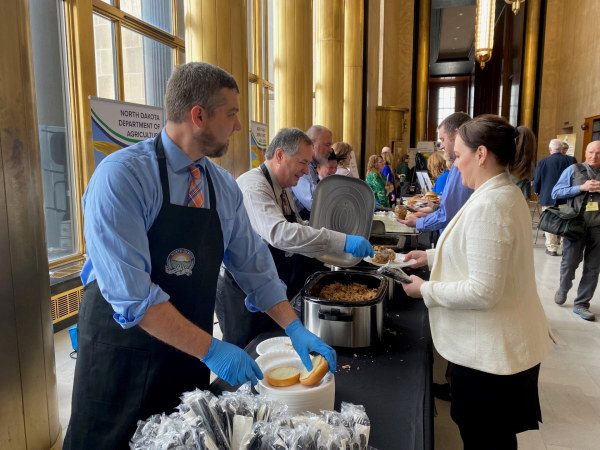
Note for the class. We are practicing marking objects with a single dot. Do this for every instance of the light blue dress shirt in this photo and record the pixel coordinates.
(303, 192)
(455, 196)
(564, 186)
(120, 205)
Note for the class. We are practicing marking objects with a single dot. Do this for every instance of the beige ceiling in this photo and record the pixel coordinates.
(457, 33)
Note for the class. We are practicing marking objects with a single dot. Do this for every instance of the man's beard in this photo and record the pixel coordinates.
(322, 160)
(209, 145)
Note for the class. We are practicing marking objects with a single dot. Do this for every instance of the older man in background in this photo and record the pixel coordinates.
(322, 139)
(274, 218)
(580, 184)
(547, 173)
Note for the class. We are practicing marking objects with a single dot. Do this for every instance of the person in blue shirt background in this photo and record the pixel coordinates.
(388, 171)
(160, 218)
(436, 164)
(455, 193)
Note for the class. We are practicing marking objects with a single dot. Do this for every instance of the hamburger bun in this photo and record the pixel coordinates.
(412, 214)
(283, 376)
(401, 211)
(319, 370)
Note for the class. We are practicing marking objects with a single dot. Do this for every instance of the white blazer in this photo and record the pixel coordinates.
(484, 308)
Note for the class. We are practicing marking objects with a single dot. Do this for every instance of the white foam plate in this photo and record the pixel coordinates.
(398, 262)
(298, 398)
(273, 344)
(279, 358)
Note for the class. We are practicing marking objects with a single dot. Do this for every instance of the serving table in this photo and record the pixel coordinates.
(392, 380)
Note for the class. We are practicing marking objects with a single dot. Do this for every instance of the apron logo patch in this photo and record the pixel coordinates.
(180, 262)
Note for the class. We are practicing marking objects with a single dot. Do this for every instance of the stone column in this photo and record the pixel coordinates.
(293, 64)
(216, 33)
(422, 71)
(28, 398)
(532, 33)
(329, 93)
(354, 25)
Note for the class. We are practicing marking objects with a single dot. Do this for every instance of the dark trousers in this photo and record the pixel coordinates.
(574, 252)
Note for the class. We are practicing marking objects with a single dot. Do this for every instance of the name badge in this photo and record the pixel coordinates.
(592, 206)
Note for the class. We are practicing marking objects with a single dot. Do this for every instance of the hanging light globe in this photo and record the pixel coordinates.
(484, 31)
(516, 5)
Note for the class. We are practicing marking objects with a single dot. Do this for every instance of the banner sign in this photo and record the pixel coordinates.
(258, 143)
(569, 139)
(116, 125)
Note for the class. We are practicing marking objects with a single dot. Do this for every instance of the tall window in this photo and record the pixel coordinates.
(137, 43)
(56, 141)
(446, 102)
(261, 66)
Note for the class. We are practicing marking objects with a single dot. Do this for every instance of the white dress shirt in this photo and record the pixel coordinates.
(484, 309)
(266, 216)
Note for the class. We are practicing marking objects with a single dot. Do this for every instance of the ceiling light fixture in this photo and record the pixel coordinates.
(484, 31)
(516, 5)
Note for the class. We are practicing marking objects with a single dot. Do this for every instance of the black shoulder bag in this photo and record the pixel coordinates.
(566, 222)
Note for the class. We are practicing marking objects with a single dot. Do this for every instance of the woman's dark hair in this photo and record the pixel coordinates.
(513, 147)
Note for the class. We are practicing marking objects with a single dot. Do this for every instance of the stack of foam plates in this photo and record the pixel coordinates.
(298, 398)
(274, 344)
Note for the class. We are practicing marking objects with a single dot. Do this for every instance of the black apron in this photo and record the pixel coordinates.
(240, 326)
(123, 376)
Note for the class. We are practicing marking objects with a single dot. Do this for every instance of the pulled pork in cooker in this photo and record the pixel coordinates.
(353, 292)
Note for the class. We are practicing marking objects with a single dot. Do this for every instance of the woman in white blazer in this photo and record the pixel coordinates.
(485, 314)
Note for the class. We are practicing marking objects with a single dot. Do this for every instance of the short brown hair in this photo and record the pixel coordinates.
(453, 122)
(196, 84)
(513, 147)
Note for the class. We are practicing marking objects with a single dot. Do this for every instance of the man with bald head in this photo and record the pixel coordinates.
(579, 184)
(322, 139)
(547, 173)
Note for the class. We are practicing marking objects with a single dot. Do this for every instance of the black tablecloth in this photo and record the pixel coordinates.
(392, 381)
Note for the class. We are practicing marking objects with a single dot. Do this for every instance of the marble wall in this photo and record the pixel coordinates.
(570, 80)
(389, 63)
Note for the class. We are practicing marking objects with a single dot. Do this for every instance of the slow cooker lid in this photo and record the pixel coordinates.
(343, 204)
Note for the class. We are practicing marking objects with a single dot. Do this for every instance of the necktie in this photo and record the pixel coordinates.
(195, 196)
(285, 204)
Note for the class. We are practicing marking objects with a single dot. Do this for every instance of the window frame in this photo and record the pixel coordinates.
(122, 19)
(258, 78)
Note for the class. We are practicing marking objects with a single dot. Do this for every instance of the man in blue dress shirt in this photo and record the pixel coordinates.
(322, 138)
(455, 193)
(580, 183)
(160, 218)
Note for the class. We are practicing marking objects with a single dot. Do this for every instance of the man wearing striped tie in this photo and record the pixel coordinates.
(160, 218)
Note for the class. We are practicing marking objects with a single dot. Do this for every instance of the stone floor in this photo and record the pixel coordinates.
(569, 377)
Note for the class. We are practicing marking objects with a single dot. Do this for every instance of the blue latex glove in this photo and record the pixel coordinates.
(304, 342)
(358, 246)
(231, 363)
